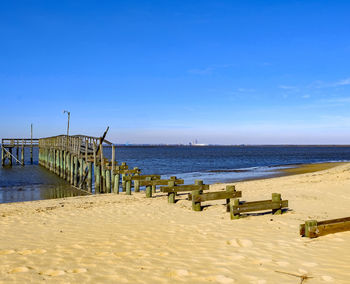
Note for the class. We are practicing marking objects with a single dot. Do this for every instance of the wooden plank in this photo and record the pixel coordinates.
(159, 182)
(327, 227)
(262, 205)
(183, 188)
(216, 196)
(143, 177)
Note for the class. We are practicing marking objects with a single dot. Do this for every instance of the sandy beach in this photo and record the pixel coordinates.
(131, 239)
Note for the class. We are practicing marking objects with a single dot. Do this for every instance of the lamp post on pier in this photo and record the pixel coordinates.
(68, 113)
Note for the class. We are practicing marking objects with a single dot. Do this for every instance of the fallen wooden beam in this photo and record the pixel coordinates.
(197, 197)
(314, 229)
(275, 204)
(141, 177)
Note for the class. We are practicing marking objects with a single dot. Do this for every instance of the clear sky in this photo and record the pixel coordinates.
(226, 72)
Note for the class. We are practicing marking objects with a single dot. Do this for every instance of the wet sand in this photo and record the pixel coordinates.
(131, 239)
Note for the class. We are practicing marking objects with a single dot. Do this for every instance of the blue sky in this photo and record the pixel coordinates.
(226, 72)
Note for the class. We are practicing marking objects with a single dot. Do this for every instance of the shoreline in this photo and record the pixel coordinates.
(133, 239)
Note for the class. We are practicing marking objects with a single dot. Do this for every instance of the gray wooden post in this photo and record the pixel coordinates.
(116, 184)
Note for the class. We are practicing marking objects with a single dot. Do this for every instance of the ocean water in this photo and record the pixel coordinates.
(209, 163)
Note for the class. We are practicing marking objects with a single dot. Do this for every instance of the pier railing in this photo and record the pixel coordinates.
(78, 144)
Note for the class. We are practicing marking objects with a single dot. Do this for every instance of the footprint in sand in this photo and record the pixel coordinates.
(77, 270)
(327, 278)
(223, 279)
(309, 264)
(24, 252)
(19, 269)
(52, 272)
(282, 263)
(240, 243)
(39, 251)
(6, 251)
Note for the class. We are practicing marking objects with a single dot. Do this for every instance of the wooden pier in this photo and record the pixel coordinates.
(79, 160)
(19, 144)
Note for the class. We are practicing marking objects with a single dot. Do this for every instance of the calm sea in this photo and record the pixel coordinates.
(209, 163)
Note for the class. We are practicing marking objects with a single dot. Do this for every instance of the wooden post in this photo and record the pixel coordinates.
(128, 187)
(196, 206)
(229, 188)
(108, 181)
(116, 183)
(81, 172)
(102, 180)
(89, 178)
(68, 167)
(276, 197)
(310, 228)
(97, 179)
(123, 182)
(10, 156)
(31, 143)
(22, 153)
(113, 164)
(234, 203)
(17, 154)
(62, 164)
(171, 195)
(71, 169)
(136, 182)
(2, 156)
(148, 188)
(75, 174)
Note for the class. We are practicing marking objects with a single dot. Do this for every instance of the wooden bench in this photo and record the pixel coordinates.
(172, 189)
(197, 197)
(151, 184)
(314, 229)
(275, 204)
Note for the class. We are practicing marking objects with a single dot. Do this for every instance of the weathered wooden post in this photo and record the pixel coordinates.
(196, 206)
(31, 143)
(276, 197)
(148, 188)
(310, 228)
(10, 156)
(22, 153)
(102, 176)
(171, 195)
(113, 164)
(232, 204)
(17, 150)
(89, 177)
(116, 182)
(108, 181)
(229, 188)
(123, 175)
(68, 167)
(97, 179)
(2, 156)
(136, 182)
(61, 163)
(128, 187)
(71, 169)
(81, 171)
(75, 171)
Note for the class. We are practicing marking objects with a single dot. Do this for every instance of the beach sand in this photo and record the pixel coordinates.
(131, 239)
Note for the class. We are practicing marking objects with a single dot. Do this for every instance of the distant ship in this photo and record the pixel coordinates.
(195, 143)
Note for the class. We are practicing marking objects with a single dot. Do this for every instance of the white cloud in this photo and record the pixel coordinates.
(343, 82)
